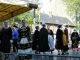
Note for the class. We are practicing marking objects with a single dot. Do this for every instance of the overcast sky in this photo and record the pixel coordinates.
(46, 5)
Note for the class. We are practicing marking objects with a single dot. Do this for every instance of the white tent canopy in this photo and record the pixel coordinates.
(15, 2)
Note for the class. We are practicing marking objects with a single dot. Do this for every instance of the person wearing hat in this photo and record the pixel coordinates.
(35, 44)
(43, 39)
(75, 39)
(24, 44)
(59, 42)
(15, 38)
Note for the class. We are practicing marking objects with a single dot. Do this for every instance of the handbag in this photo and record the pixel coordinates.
(65, 42)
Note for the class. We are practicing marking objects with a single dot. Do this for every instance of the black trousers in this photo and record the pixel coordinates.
(15, 46)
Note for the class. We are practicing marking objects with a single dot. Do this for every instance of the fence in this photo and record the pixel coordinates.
(46, 57)
(10, 56)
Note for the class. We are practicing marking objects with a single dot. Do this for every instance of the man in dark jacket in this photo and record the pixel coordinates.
(43, 39)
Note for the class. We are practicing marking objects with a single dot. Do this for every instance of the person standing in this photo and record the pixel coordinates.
(43, 39)
(35, 44)
(75, 39)
(65, 31)
(50, 38)
(6, 36)
(15, 38)
(24, 45)
(59, 41)
(24, 41)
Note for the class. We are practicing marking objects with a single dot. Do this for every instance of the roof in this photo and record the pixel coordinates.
(55, 19)
(11, 8)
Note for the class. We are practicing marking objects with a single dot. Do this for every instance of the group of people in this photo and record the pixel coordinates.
(43, 39)
(62, 39)
(63, 42)
(19, 37)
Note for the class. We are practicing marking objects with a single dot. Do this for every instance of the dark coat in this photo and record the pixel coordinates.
(75, 41)
(43, 40)
(59, 42)
(35, 44)
(24, 31)
(6, 35)
(66, 33)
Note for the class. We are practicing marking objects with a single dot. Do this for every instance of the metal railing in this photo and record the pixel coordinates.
(46, 57)
(13, 56)
(10, 56)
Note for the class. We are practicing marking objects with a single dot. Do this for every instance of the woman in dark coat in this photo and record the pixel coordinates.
(6, 35)
(43, 39)
(35, 44)
(59, 41)
(75, 39)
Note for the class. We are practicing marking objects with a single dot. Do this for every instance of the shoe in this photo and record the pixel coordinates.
(67, 52)
(58, 54)
(37, 52)
(52, 49)
(62, 53)
(77, 49)
(73, 49)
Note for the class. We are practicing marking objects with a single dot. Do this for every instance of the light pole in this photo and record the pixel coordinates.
(39, 18)
(34, 20)
(68, 31)
(76, 16)
(40, 6)
(33, 4)
(13, 19)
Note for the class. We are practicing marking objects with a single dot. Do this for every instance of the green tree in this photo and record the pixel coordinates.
(72, 6)
(28, 16)
(73, 9)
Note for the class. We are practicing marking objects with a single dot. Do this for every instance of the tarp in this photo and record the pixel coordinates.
(11, 8)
